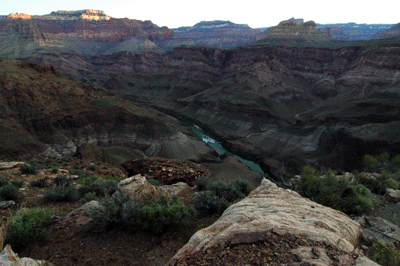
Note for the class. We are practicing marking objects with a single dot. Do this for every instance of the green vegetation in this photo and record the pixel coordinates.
(26, 226)
(62, 189)
(99, 186)
(382, 162)
(355, 197)
(28, 169)
(215, 197)
(389, 169)
(385, 255)
(9, 191)
(156, 216)
(40, 183)
(88, 197)
(3, 181)
(335, 192)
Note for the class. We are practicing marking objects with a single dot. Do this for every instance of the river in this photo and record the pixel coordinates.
(219, 148)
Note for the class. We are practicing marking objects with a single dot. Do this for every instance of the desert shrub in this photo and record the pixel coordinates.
(243, 186)
(357, 199)
(80, 173)
(201, 183)
(88, 197)
(87, 180)
(385, 181)
(93, 167)
(310, 183)
(40, 183)
(155, 216)
(3, 181)
(396, 161)
(54, 169)
(26, 226)
(61, 193)
(62, 180)
(28, 169)
(161, 214)
(153, 181)
(207, 203)
(9, 192)
(18, 183)
(382, 162)
(386, 255)
(111, 212)
(334, 192)
(228, 192)
(99, 186)
(379, 185)
(62, 189)
(217, 196)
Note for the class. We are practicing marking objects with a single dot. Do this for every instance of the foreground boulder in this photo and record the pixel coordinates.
(274, 226)
(9, 258)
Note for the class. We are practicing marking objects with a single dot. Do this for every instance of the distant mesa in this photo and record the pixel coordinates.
(218, 33)
(87, 14)
(291, 22)
(292, 29)
(18, 16)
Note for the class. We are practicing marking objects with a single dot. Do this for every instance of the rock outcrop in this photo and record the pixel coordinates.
(10, 165)
(81, 216)
(312, 233)
(138, 188)
(392, 195)
(9, 258)
(377, 229)
(166, 171)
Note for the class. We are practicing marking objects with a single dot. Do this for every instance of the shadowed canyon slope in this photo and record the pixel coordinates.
(42, 112)
(280, 106)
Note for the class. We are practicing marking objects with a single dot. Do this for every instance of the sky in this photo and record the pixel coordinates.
(257, 14)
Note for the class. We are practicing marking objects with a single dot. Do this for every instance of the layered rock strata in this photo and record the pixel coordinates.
(42, 112)
(280, 106)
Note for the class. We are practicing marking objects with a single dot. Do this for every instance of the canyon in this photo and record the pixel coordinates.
(96, 93)
(293, 98)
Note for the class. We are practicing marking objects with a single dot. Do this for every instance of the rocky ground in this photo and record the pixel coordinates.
(235, 238)
(71, 244)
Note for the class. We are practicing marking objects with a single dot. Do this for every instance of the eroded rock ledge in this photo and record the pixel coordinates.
(271, 217)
